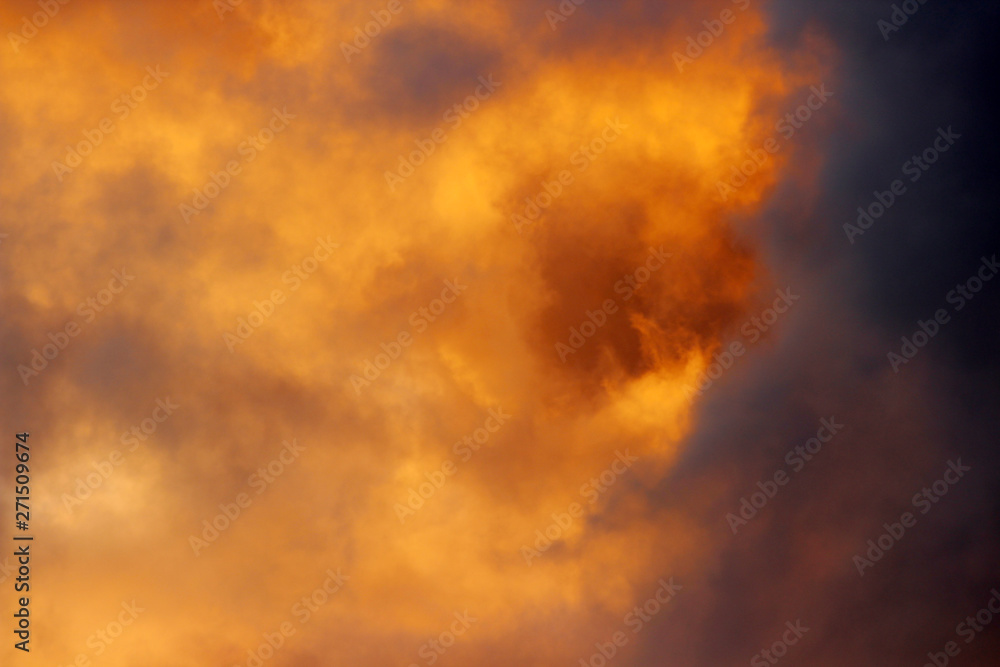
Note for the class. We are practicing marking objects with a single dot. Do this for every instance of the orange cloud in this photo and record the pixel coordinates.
(592, 161)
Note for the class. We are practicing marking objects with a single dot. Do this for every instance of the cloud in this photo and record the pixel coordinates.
(637, 147)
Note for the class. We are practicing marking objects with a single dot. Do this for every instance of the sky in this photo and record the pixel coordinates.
(540, 333)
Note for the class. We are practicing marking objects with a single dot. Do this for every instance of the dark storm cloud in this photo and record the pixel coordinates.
(829, 358)
(935, 72)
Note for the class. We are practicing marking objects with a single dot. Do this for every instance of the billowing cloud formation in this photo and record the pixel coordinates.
(349, 327)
